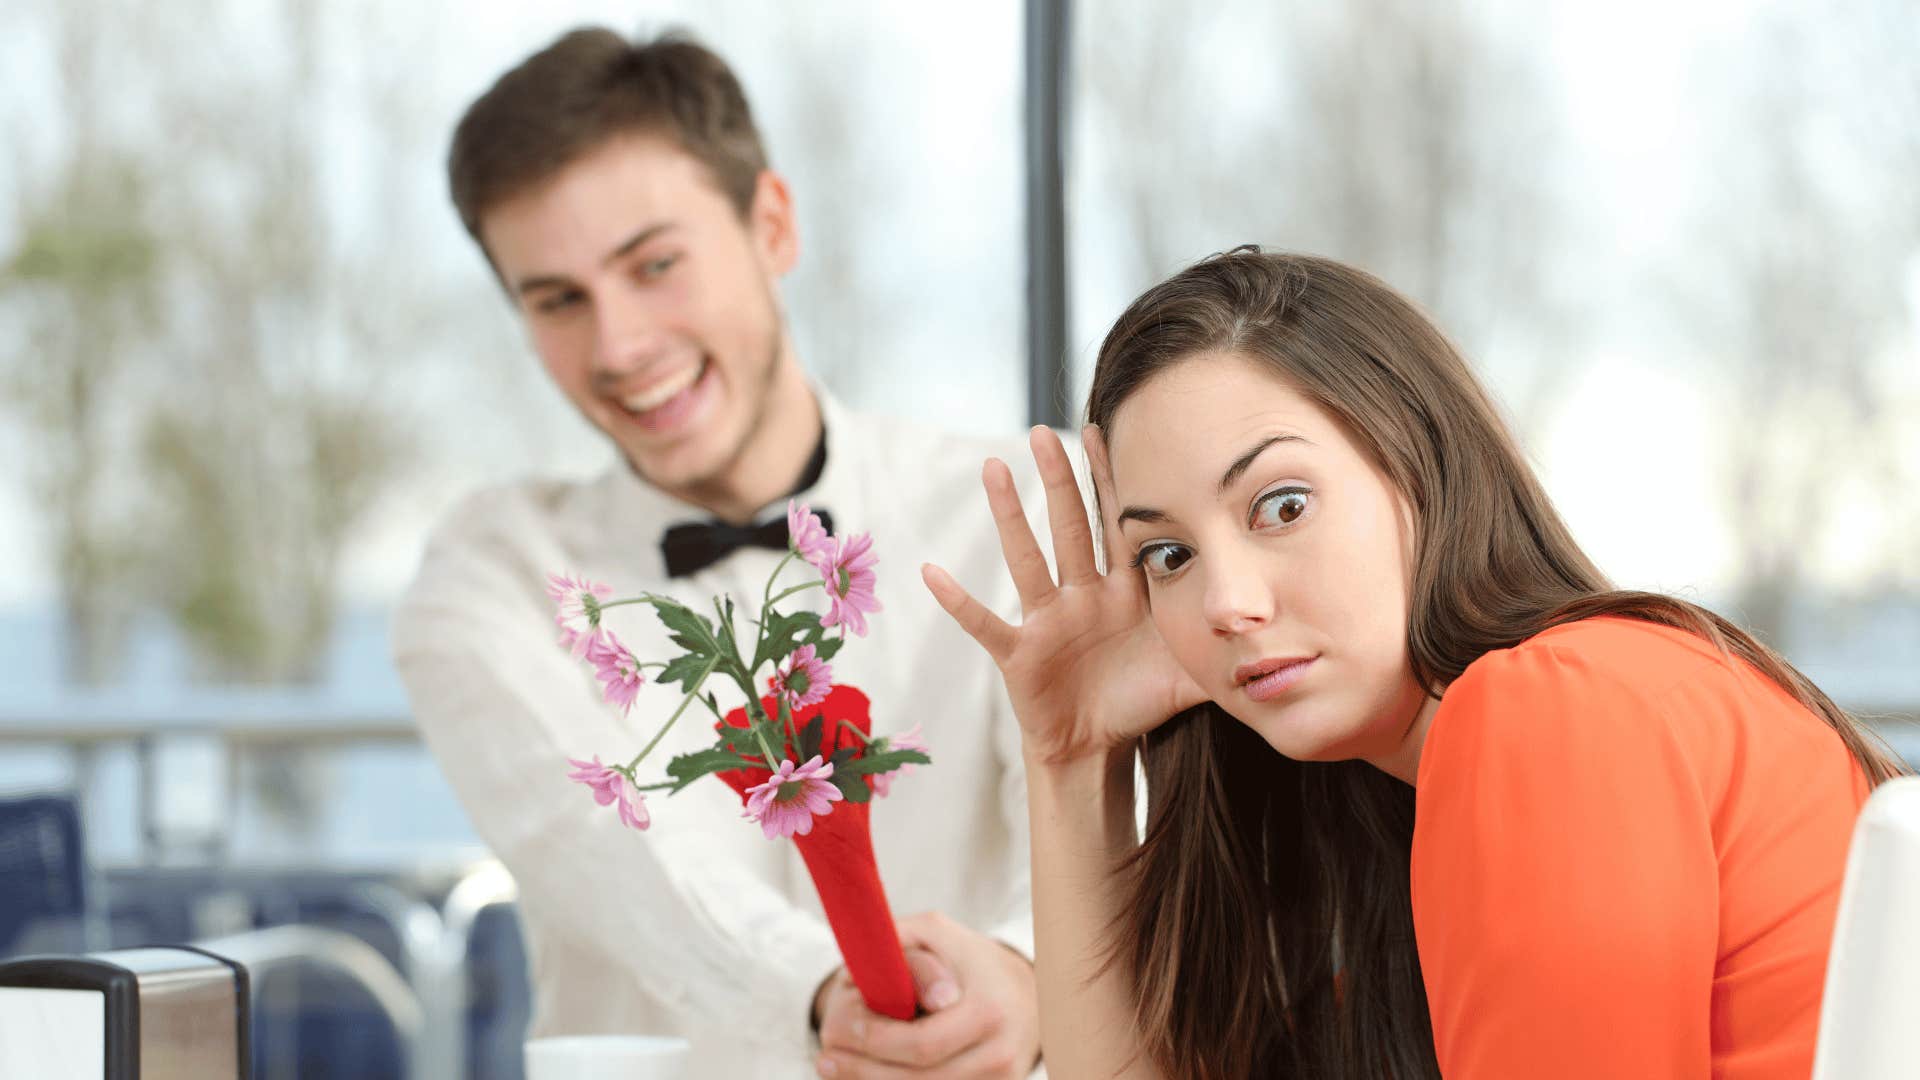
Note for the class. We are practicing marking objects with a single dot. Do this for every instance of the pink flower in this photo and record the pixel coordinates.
(576, 602)
(610, 785)
(908, 740)
(803, 680)
(792, 797)
(882, 783)
(850, 583)
(806, 535)
(633, 806)
(614, 666)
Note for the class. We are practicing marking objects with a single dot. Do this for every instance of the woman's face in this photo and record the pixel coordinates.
(1277, 557)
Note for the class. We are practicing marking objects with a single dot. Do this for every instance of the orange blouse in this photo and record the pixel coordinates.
(1627, 853)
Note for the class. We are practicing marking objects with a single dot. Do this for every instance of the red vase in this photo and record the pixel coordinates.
(839, 857)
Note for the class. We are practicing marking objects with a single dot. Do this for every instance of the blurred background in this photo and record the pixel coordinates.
(249, 356)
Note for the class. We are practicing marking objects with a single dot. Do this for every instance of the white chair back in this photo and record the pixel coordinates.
(1870, 1017)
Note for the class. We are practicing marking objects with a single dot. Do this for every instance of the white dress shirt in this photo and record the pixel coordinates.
(700, 926)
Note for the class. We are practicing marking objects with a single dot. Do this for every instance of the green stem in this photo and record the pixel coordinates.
(761, 738)
(668, 726)
(786, 724)
(643, 598)
(766, 603)
(800, 588)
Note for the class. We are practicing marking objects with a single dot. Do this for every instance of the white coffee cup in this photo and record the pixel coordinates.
(607, 1057)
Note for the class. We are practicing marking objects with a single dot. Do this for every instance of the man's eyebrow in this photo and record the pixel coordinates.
(634, 241)
(1245, 461)
(546, 281)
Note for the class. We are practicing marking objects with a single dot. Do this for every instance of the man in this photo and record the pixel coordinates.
(621, 195)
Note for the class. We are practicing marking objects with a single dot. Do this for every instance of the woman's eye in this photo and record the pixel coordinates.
(1163, 559)
(1281, 508)
(653, 268)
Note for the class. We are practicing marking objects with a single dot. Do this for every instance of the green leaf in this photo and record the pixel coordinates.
(882, 761)
(810, 737)
(724, 633)
(745, 742)
(684, 670)
(687, 768)
(785, 633)
(824, 647)
(853, 787)
(690, 631)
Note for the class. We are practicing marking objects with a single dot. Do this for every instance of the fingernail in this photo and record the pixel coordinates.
(942, 994)
(860, 1030)
(826, 1067)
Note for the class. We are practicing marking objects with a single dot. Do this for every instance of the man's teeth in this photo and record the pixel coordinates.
(662, 392)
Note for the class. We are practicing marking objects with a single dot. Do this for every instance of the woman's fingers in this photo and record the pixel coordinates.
(990, 630)
(1066, 514)
(1101, 467)
(1031, 578)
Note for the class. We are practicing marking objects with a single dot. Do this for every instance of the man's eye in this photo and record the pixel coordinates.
(557, 302)
(653, 268)
(1278, 509)
(1162, 559)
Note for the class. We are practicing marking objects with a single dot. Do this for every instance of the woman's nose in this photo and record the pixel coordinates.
(1238, 598)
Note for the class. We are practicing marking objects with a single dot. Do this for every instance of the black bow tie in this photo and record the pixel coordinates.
(693, 546)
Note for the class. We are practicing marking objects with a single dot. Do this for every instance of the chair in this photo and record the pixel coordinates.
(43, 872)
(1868, 1016)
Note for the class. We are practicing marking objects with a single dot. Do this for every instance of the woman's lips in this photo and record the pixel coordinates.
(1268, 679)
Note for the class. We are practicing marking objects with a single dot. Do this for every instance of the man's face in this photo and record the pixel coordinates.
(651, 302)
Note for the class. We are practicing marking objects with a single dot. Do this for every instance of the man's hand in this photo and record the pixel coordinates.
(981, 1002)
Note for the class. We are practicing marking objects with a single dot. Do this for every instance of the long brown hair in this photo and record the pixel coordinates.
(1268, 928)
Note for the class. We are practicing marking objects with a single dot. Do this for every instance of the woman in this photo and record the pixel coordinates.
(1433, 796)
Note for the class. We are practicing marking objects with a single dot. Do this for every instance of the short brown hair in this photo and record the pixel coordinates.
(590, 86)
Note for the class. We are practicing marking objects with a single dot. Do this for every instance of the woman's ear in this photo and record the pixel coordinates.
(1409, 538)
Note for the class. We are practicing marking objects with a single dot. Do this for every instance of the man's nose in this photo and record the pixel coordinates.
(627, 337)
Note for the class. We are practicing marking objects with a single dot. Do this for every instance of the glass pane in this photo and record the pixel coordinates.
(1681, 242)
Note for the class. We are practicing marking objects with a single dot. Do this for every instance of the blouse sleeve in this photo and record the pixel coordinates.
(1564, 879)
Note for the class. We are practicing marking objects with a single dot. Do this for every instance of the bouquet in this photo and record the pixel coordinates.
(791, 753)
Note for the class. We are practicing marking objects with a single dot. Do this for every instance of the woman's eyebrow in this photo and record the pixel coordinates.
(1145, 514)
(1245, 461)
(1148, 515)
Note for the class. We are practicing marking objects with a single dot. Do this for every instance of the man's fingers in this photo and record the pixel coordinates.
(990, 630)
(843, 1019)
(930, 1040)
(991, 1058)
(933, 980)
(1066, 513)
(839, 1065)
(1028, 567)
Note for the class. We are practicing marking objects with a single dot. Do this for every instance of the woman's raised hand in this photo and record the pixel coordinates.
(1086, 669)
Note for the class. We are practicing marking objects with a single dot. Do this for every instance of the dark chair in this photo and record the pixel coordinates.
(43, 876)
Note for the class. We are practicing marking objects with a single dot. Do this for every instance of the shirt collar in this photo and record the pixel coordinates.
(644, 510)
